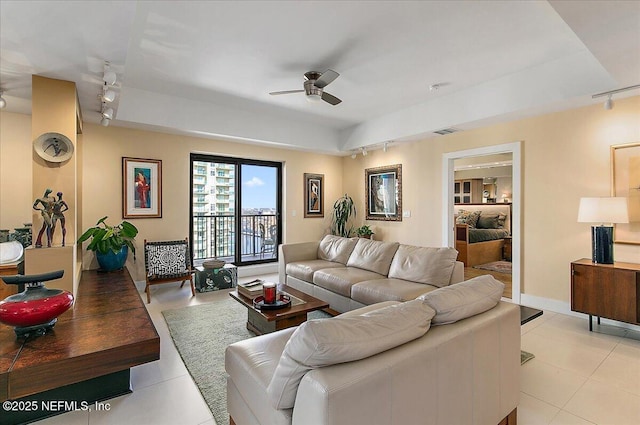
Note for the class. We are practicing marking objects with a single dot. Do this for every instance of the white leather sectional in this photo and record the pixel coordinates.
(451, 356)
(350, 273)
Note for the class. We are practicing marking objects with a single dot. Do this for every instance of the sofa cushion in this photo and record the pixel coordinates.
(490, 221)
(323, 342)
(464, 299)
(432, 266)
(468, 217)
(340, 280)
(372, 255)
(379, 290)
(304, 269)
(336, 248)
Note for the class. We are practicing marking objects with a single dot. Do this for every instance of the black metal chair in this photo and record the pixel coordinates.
(268, 242)
(167, 261)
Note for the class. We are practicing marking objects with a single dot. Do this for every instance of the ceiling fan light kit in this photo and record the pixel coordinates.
(314, 85)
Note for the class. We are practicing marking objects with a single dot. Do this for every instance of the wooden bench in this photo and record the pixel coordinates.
(87, 356)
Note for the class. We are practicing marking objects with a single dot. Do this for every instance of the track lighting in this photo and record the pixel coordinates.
(353, 155)
(608, 104)
(108, 95)
(364, 152)
(384, 146)
(105, 121)
(109, 77)
(3, 103)
(107, 113)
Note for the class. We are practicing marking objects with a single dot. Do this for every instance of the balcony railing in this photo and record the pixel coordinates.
(214, 236)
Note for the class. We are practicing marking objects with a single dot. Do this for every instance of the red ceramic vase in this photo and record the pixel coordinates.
(34, 306)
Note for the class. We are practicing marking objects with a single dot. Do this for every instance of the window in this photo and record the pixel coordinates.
(240, 222)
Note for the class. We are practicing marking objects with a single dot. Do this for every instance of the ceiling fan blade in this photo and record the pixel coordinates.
(274, 93)
(327, 77)
(329, 98)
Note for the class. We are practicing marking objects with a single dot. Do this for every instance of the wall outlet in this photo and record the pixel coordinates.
(406, 213)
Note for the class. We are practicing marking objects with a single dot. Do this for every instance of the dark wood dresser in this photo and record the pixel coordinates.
(606, 290)
(86, 357)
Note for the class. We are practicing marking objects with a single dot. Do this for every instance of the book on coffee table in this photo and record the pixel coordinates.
(251, 289)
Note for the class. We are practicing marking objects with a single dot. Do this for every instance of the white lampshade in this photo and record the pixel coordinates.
(603, 210)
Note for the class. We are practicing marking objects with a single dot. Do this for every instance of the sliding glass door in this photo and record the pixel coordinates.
(235, 209)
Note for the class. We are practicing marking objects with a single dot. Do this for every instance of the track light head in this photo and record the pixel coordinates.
(105, 121)
(107, 113)
(109, 78)
(353, 155)
(108, 95)
(364, 152)
(608, 104)
(384, 146)
(3, 103)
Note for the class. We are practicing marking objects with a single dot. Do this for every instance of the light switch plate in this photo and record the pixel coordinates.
(406, 213)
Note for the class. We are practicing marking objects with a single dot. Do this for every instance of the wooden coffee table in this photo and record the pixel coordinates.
(262, 322)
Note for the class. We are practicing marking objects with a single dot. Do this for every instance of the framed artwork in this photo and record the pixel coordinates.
(384, 193)
(141, 188)
(625, 181)
(313, 195)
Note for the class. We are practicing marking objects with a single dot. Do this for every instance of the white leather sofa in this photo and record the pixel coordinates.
(351, 273)
(450, 357)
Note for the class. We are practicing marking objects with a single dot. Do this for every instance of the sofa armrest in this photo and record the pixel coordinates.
(289, 253)
(457, 275)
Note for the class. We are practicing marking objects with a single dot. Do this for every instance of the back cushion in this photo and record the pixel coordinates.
(374, 256)
(468, 217)
(336, 248)
(324, 342)
(464, 299)
(432, 266)
(489, 221)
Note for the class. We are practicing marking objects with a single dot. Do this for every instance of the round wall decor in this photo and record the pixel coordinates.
(53, 147)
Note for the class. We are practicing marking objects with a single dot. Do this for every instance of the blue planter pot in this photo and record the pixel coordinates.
(110, 261)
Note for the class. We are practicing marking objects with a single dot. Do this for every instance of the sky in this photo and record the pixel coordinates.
(258, 186)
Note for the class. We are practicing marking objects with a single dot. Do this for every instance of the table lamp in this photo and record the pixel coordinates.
(605, 211)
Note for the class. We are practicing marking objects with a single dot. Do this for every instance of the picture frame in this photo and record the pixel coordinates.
(141, 188)
(625, 181)
(384, 193)
(313, 195)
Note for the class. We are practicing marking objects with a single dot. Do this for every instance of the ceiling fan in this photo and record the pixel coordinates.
(314, 85)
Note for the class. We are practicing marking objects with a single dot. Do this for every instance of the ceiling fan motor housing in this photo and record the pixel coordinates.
(311, 90)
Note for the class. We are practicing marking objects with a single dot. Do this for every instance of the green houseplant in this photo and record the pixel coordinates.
(111, 243)
(343, 210)
(364, 231)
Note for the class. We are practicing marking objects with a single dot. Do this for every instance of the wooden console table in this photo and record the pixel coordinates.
(606, 290)
(87, 355)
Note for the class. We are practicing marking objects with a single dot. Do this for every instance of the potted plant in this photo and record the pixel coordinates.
(343, 209)
(111, 243)
(364, 231)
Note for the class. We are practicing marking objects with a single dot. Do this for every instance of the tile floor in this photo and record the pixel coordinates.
(576, 378)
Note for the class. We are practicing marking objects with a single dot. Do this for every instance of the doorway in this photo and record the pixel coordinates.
(449, 195)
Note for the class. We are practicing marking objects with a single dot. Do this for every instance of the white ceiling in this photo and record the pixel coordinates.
(206, 67)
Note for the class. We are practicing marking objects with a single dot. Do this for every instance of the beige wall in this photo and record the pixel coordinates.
(565, 157)
(15, 170)
(104, 148)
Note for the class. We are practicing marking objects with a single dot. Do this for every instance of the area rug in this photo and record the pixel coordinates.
(201, 334)
(525, 357)
(496, 266)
